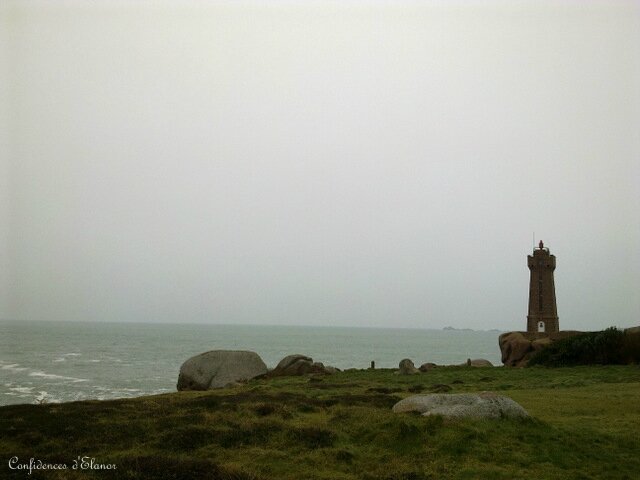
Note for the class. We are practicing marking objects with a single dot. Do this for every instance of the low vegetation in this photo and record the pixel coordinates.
(608, 347)
(584, 425)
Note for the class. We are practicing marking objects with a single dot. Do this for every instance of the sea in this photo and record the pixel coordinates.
(49, 362)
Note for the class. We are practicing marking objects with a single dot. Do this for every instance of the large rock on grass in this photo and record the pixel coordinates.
(425, 367)
(407, 367)
(297, 364)
(219, 368)
(514, 346)
(463, 405)
(480, 362)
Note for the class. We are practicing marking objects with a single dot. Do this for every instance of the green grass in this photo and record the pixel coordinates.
(585, 423)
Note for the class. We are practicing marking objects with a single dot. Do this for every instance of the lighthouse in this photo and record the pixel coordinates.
(543, 312)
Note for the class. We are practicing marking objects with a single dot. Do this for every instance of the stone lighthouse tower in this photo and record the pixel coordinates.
(543, 312)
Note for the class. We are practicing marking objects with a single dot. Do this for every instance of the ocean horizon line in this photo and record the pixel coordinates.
(277, 325)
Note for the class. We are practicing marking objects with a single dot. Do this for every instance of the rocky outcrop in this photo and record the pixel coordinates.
(293, 365)
(540, 343)
(463, 405)
(478, 362)
(219, 368)
(440, 388)
(425, 367)
(297, 364)
(407, 367)
(514, 347)
(518, 347)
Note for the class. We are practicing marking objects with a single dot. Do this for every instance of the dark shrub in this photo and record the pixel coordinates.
(610, 346)
(408, 476)
(384, 390)
(265, 409)
(307, 408)
(252, 434)
(408, 431)
(378, 400)
(185, 438)
(344, 456)
(313, 437)
(175, 468)
(433, 423)
(631, 348)
(440, 388)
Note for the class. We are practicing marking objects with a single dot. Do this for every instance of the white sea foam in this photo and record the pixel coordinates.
(63, 357)
(21, 389)
(44, 397)
(113, 359)
(13, 367)
(52, 376)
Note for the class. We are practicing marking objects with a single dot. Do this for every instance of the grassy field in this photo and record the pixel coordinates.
(585, 424)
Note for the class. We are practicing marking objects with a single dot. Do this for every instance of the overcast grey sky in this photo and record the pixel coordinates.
(349, 163)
